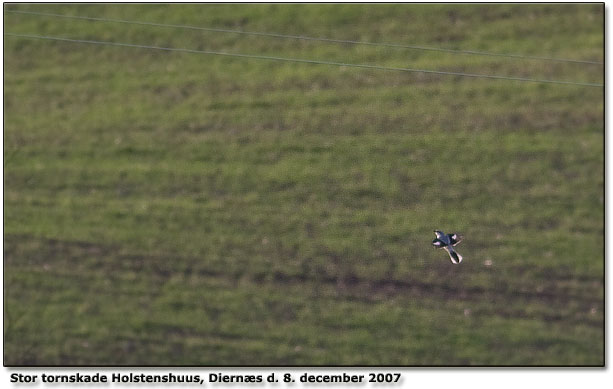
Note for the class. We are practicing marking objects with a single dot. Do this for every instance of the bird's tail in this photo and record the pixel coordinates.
(454, 256)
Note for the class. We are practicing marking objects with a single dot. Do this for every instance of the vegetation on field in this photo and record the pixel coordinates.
(175, 208)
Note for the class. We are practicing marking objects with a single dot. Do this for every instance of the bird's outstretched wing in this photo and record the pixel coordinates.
(438, 243)
(455, 238)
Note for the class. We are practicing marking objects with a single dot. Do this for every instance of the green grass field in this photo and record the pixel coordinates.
(174, 208)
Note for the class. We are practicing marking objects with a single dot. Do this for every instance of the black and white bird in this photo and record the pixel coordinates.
(447, 241)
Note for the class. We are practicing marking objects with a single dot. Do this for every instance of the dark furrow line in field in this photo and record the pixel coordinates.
(350, 283)
(389, 287)
(392, 287)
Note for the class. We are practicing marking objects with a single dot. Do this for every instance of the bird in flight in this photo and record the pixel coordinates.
(447, 241)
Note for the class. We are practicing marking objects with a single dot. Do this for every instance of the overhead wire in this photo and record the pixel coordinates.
(298, 60)
(309, 38)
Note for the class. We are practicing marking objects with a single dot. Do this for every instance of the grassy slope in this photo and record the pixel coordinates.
(164, 208)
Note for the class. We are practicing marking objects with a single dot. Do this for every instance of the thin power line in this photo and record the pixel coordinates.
(302, 37)
(299, 60)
